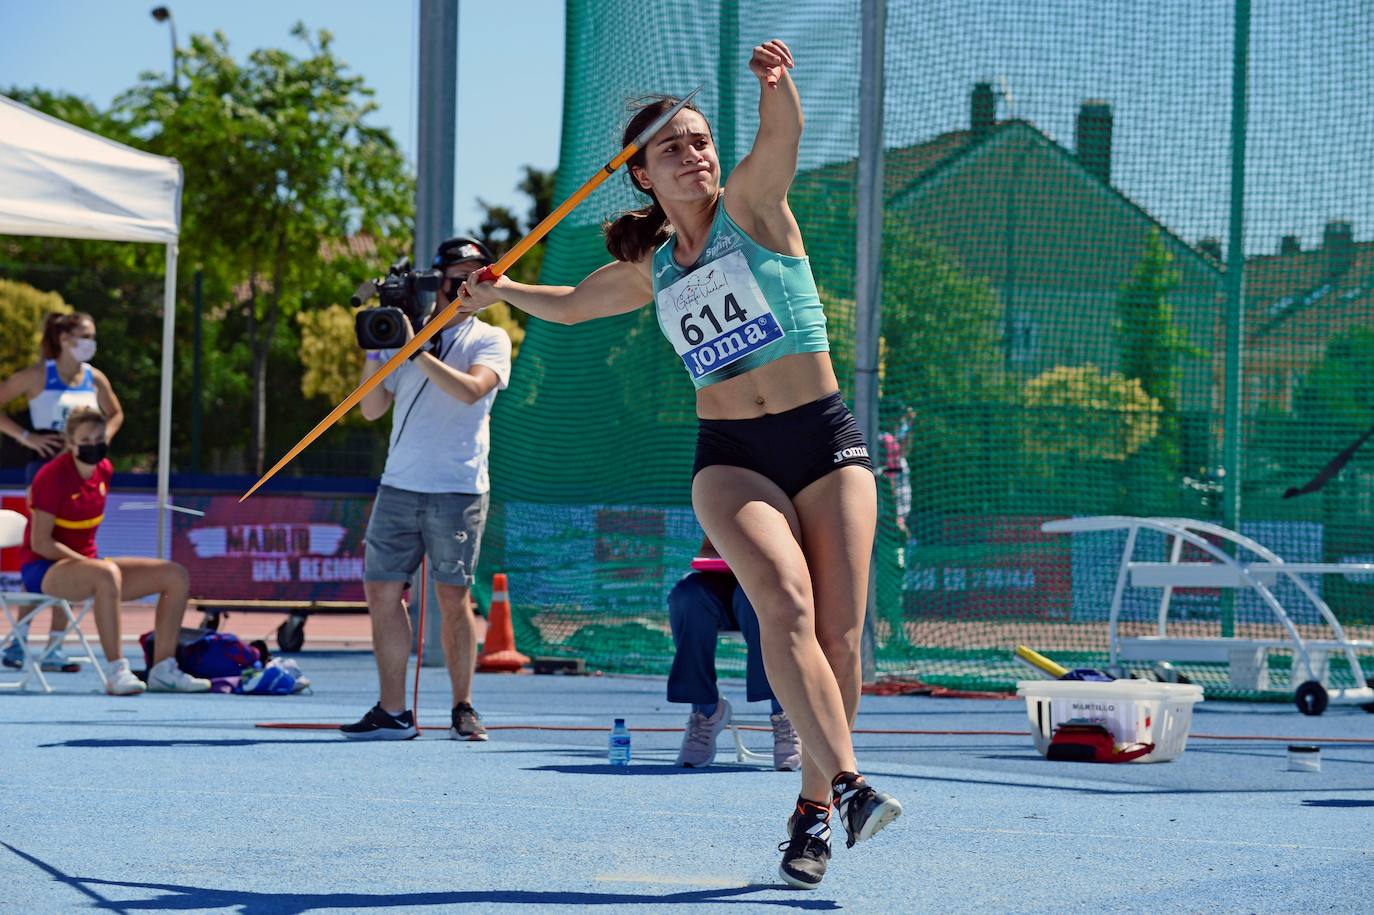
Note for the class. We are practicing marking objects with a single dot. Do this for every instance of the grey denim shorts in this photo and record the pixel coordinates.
(405, 525)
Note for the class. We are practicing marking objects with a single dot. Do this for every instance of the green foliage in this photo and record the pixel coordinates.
(278, 159)
(501, 227)
(1340, 388)
(329, 355)
(22, 312)
(1082, 413)
(941, 328)
(1152, 346)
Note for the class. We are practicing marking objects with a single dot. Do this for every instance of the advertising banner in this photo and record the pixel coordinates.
(299, 548)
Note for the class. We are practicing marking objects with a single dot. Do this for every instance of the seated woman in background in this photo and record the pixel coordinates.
(59, 558)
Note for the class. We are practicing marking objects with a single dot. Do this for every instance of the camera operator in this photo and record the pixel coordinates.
(432, 500)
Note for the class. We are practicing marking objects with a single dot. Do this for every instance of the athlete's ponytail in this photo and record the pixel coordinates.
(636, 233)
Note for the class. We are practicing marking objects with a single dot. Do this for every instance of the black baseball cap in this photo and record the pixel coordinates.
(461, 248)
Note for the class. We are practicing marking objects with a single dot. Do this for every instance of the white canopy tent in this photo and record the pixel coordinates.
(59, 180)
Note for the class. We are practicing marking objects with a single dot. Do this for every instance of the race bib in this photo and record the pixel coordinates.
(717, 315)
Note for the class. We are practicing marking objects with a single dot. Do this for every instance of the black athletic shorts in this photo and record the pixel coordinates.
(793, 449)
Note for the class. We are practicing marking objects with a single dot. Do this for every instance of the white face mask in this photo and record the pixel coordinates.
(83, 348)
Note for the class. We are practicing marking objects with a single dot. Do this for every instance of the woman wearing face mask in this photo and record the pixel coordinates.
(60, 382)
(58, 557)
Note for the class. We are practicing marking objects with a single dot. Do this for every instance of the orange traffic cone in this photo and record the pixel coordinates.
(498, 651)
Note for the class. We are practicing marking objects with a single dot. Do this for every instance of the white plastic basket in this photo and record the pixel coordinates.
(1135, 711)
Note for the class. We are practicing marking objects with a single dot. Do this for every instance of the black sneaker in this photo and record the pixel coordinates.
(863, 810)
(467, 724)
(807, 851)
(381, 725)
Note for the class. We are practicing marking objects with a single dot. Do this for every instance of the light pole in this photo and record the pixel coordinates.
(163, 14)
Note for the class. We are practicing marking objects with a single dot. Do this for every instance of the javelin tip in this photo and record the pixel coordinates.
(659, 122)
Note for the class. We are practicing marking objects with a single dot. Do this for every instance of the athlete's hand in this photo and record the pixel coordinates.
(769, 61)
(478, 292)
(45, 443)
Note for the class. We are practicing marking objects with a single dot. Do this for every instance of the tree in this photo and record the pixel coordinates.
(22, 312)
(500, 229)
(330, 355)
(1081, 413)
(1152, 345)
(278, 158)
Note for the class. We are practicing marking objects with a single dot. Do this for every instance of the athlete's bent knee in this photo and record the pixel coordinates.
(840, 647)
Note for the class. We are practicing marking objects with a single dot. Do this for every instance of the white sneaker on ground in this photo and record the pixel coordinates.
(120, 680)
(699, 738)
(166, 677)
(786, 745)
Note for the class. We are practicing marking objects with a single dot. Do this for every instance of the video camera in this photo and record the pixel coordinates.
(403, 298)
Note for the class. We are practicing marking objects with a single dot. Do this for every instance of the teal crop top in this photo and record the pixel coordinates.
(738, 307)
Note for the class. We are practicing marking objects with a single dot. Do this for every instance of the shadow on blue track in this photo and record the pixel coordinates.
(176, 897)
(1337, 802)
(102, 743)
(643, 769)
(1062, 770)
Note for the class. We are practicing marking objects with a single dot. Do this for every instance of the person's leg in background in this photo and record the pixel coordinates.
(142, 576)
(697, 608)
(786, 745)
(100, 580)
(392, 551)
(453, 524)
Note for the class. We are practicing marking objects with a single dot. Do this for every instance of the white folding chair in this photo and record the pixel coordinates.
(12, 526)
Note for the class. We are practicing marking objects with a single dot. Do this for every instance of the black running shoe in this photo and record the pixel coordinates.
(807, 850)
(380, 725)
(467, 724)
(863, 810)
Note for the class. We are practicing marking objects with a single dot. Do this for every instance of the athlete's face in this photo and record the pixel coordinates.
(680, 161)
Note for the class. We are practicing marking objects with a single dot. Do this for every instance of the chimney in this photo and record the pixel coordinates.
(1211, 247)
(982, 110)
(1092, 138)
(1338, 241)
(1290, 244)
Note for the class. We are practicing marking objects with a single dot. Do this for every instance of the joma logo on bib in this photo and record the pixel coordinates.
(716, 315)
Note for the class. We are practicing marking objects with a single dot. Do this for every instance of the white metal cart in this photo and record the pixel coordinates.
(1246, 659)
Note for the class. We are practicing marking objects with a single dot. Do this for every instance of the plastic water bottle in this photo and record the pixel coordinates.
(619, 744)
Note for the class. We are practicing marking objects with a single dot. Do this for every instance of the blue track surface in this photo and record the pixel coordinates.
(177, 803)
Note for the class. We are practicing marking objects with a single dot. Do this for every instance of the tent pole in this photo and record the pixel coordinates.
(164, 422)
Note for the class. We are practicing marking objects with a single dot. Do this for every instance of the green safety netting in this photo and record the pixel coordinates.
(1057, 204)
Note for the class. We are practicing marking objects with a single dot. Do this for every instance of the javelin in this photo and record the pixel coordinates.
(486, 273)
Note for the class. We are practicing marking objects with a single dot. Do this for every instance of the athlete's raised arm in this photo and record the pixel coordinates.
(762, 178)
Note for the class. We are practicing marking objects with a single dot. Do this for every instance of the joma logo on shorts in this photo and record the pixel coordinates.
(846, 454)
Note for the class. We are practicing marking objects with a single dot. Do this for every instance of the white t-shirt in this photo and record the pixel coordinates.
(439, 443)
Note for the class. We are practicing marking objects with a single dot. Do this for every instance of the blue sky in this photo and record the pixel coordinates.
(1164, 66)
(97, 48)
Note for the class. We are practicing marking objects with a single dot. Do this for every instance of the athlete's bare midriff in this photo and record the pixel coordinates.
(773, 388)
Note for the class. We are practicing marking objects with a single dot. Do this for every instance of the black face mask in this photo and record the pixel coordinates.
(92, 454)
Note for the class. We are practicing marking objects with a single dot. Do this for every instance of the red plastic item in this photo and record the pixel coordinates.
(710, 564)
(1073, 742)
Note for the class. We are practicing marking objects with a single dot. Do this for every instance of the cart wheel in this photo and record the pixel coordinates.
(1369, 708)
(1311, 698)
(291, 635)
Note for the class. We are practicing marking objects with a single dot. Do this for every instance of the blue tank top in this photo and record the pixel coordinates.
(48, 411)
(738, 307)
